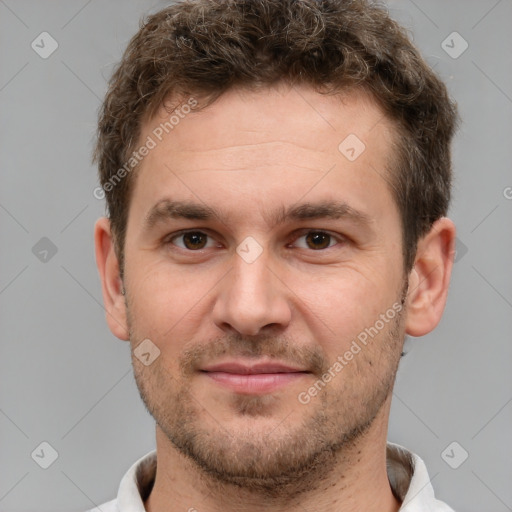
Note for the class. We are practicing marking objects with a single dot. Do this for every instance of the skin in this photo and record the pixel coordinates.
(251, 155)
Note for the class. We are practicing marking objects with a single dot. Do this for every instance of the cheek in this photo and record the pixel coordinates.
(343, 305)
(163, 300)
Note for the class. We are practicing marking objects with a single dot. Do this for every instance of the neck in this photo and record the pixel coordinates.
(356, 481)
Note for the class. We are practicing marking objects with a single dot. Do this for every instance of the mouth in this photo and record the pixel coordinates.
(253, 378)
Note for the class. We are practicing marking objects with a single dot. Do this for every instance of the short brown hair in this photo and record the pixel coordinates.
(207, 47)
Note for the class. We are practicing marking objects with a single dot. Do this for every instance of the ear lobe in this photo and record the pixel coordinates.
(429, 279)
(111, 284)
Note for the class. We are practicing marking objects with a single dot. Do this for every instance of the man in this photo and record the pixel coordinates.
(277, 176)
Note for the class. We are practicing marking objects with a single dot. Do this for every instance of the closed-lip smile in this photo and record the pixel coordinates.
(249, 377)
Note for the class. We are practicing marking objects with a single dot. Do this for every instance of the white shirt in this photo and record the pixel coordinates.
(407, 476)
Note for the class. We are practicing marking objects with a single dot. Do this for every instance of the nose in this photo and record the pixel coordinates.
(251, 298)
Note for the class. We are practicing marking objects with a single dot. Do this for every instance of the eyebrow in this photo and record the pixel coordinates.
(166, 209)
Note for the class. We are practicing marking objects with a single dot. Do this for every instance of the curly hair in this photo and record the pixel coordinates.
(206, 47)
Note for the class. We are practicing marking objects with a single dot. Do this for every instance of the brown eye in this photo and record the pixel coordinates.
(318, 240)
(195, 240)
(191, 240)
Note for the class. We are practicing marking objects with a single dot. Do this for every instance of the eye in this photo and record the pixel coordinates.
(316, 240)
(191, 240)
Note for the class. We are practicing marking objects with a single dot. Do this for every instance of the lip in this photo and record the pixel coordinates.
(241, 368)
(253, 378)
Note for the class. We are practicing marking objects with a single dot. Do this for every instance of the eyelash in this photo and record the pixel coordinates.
(335, 237)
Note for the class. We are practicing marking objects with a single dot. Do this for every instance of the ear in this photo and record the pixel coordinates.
(111, 284)
(430, 278)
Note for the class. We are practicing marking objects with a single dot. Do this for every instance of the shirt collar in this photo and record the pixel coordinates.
(407, 475)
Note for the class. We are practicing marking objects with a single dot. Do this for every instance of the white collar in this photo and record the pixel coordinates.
(407, 475)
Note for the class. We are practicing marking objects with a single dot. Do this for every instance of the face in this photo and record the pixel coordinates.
(265, 264)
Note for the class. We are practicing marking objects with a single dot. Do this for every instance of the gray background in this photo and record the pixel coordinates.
(66, 380)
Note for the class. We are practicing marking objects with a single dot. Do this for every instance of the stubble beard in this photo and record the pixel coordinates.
(296, 453)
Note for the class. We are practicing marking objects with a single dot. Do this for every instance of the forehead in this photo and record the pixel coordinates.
(282, 139)
(298, 114)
